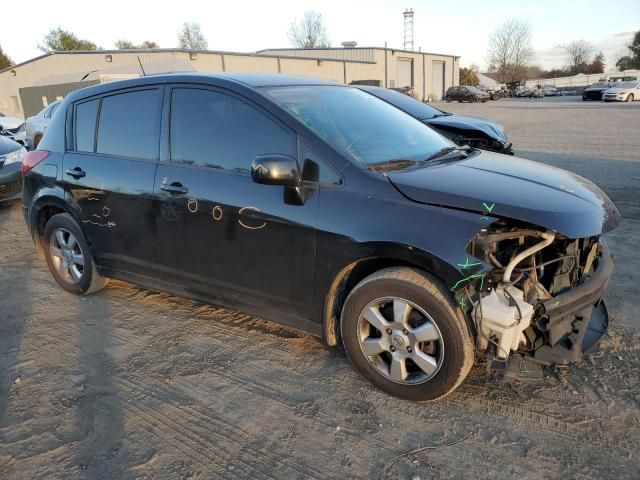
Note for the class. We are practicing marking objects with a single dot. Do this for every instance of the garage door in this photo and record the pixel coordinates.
(404, 74)
(437, 79)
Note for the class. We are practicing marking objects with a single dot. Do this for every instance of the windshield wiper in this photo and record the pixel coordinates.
(443, 114)
(391, 165)
(449, 152)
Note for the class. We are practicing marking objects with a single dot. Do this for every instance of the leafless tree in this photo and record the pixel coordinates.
(191, 37)
(579, 54)
(510, 50)
(309, 32)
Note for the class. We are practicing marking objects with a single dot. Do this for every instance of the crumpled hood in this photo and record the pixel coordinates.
(504, 186)
(492, 129)
(10, 122)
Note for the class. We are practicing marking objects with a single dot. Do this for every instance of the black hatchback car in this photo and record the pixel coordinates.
(463, 93)
(322, 207)
(462, 129)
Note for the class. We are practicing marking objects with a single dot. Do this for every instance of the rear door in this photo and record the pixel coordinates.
(109, 172)
(218, 231)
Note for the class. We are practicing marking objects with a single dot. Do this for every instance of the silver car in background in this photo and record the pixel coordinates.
(13, 128)
(623, 92)
(37, 124)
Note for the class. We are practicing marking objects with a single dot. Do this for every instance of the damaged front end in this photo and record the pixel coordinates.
(541, 296)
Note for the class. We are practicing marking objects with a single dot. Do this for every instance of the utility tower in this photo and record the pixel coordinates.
(408, 28)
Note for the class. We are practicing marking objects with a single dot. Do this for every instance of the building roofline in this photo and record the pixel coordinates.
(13, 67)
(173, 50)
(361, 48)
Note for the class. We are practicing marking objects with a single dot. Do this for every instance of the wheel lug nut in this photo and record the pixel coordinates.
(405, 331)
(392, 348)
(409, 349)
(389, 331)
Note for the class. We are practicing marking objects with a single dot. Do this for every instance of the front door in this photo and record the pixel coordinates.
(220, 232)
(109, 174)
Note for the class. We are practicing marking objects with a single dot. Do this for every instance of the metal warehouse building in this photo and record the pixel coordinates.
(29, 86)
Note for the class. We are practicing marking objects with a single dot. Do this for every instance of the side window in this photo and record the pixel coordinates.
(215, 130)
(85, 125)
(130, 124)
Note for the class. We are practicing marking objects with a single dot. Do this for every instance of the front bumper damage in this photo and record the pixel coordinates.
(575, 321)
(536, 299)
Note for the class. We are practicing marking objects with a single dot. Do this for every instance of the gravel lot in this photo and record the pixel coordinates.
(130, 383)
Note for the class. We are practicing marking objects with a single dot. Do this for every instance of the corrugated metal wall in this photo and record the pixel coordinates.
(349, 54)
(35, 99)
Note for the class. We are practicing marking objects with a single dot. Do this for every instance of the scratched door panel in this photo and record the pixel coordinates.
(220, 231)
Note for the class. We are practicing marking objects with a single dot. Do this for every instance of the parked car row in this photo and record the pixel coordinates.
(28, 133)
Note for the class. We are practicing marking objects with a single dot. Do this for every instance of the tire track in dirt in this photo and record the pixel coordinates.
(211, 423)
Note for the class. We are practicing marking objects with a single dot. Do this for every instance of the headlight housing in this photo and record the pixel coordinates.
(15, 157)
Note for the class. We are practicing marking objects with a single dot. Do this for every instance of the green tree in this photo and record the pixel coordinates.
(191, 37)
(631, 61)
(129, 45)
(5, 61)
(468, 77)
(58, 40)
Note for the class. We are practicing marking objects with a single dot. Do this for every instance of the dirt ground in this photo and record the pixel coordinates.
(130, 383)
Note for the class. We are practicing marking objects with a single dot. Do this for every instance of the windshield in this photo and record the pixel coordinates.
(358, 125)
(413, 107)
(627, 84)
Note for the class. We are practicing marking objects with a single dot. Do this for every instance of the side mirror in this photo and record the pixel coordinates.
(275, 169)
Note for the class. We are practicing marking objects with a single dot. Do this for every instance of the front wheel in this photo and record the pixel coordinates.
(68, 256)
(630, 97)
(403, 333)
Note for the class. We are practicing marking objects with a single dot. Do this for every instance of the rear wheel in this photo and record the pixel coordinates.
(69, 257)
(403, 333)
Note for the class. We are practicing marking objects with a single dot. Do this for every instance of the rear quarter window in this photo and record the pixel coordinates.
(86, 114)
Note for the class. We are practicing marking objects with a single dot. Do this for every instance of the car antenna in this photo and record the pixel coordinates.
(141, 67)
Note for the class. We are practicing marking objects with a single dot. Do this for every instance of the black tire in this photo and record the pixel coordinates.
(630, 97)
(447, 99)
(473, 99)
(430, 295)
(90, 281)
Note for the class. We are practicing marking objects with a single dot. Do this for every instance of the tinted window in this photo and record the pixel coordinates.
(215, 130)
(85, 123)
(130, 124)
(410, 105)
(359, 125)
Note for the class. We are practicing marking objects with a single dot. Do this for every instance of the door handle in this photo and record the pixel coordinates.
(76, 172)
(175, 188)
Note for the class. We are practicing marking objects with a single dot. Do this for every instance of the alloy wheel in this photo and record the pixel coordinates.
(67, 255)
(400, 340)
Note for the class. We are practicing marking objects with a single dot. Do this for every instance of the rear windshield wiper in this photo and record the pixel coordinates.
(391, 165)
(449, 152)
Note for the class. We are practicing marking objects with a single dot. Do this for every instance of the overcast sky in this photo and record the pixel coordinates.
(461, 27)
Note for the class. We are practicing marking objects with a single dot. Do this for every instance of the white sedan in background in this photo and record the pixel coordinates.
(13, 128)
(623, 92)
(37, 124)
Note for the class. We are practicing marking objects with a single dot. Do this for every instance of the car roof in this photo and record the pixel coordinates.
(251, 80)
